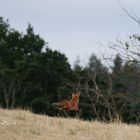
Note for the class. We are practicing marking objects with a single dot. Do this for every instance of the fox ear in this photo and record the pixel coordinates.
(73, 94)
(78, 93)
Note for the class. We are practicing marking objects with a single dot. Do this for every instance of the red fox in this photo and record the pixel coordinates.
(69, 105)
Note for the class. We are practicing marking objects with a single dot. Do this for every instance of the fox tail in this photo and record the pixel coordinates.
(54, 104)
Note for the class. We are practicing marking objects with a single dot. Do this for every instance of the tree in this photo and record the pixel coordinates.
(30, 72)
(118, 64)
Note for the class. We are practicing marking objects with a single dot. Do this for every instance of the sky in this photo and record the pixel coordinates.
(77, 28)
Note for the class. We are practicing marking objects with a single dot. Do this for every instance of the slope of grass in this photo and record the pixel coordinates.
(23, 125)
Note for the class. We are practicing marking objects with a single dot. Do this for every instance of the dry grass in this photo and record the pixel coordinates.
(23, 125)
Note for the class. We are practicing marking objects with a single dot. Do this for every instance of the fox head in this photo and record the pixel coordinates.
(75, 96)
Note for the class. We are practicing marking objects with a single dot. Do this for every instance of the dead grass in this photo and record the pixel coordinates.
(23, 125)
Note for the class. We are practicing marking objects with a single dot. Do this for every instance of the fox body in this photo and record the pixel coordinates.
(69, 105)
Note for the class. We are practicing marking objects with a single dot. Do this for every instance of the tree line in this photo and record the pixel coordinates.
(33, 76)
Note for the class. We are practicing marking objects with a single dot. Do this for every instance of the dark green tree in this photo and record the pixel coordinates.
(39, 73)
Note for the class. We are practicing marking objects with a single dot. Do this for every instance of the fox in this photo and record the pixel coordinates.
(69, 105)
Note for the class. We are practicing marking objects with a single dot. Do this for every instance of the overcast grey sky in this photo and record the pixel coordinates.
(74, 27)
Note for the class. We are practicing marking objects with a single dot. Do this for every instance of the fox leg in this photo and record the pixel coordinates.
(65, 113)
(64, 107)
(78, 114)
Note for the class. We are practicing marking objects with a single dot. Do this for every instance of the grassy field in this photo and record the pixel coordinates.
(23, 125)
